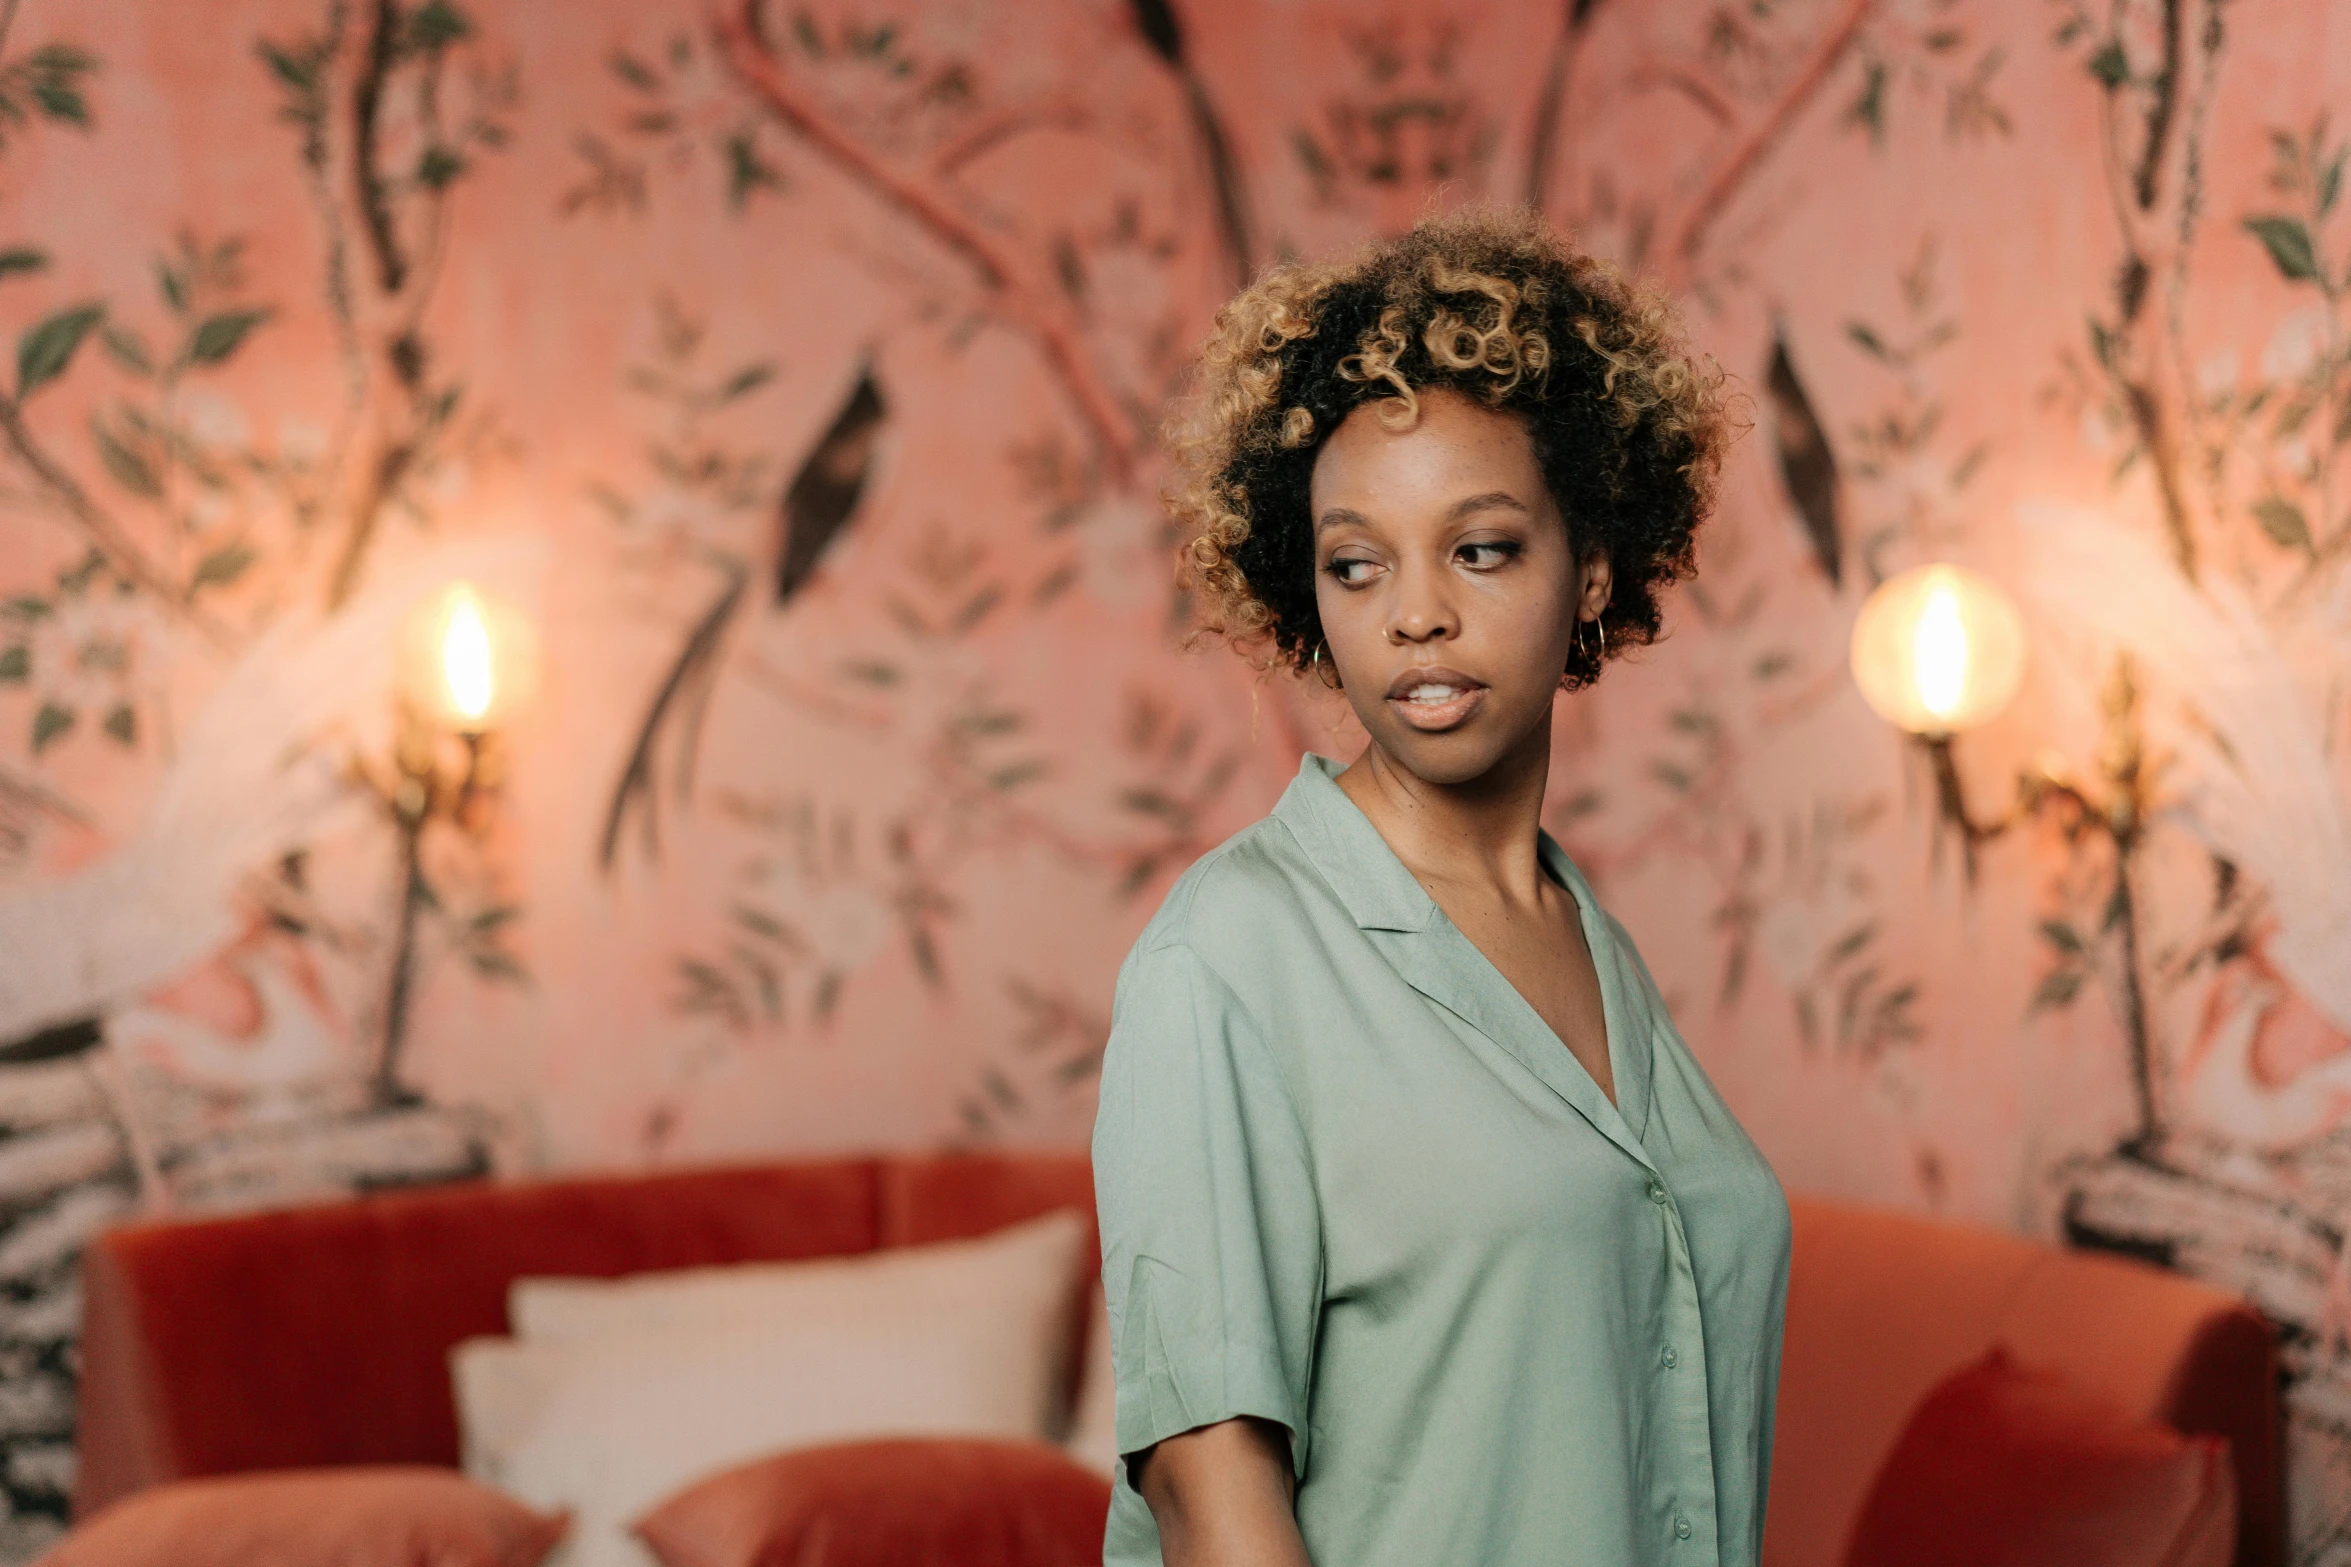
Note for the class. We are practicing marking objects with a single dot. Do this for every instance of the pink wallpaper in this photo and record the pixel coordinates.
(796, 372)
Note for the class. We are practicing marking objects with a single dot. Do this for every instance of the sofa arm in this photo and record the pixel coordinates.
(119, 1429)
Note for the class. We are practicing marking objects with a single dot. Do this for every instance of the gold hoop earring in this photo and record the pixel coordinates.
(1602, 626)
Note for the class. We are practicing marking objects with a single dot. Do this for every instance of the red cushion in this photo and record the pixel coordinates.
(908, 1502)
(2005, 1465)
(388, 1517)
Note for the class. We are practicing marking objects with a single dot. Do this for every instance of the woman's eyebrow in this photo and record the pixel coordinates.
(1492, 500)
(1341, 517)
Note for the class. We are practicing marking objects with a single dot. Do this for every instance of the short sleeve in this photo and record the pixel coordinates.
(1211, 1235)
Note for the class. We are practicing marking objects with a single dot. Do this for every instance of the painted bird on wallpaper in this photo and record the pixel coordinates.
(830, 483)
(1807, 465)
(1163, 30)
(817, 506)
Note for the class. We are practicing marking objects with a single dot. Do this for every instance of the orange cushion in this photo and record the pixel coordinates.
(382, 1517)
(2009, 1466)
(906, 1502)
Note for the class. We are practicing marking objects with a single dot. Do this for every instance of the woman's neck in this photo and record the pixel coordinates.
(1477, 834)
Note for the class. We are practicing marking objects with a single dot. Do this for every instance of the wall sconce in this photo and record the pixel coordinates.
(467, 662)
(1936, 651)
(1940, 649)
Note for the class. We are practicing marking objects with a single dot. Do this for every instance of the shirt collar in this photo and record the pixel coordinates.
(1379, 892)
(1349, 851)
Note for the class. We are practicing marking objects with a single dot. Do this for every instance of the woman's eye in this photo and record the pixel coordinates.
(1487, 553)
(1351, 571)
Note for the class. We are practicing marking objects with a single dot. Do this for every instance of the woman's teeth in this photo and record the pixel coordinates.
(1431, 694)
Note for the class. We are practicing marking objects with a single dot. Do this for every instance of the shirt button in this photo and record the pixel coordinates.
(1681, 1527)
(1671, 1359)
(1657, 1191)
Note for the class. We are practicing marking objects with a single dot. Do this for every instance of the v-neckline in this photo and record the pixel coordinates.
(1437, 959)
(1608, 1029)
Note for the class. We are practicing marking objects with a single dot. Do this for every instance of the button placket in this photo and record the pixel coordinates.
(1686, 1396)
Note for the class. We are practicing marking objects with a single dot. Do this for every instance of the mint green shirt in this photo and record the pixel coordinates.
(1351, 1182)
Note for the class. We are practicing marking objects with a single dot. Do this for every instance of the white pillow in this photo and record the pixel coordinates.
(670, 1378)
(1093, 1434)
(1032, 1261)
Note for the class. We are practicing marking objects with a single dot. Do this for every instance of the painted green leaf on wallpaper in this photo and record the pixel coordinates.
(2057, 990)
(16, 665)
(50, 725)
(2110, 65)
(127, 348)
(491, 963)
(438, 167)
(51, 78)
(2063, 937)
(124, 463)
(122, 725)
(217, 337)
(2283, 521)
(47, 347)
(436, 25)
(2288, 242)
(21, 258)
(222, 567)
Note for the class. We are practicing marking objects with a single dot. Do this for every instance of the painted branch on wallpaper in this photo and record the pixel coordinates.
(387, 234)
(1006, 279)
(1687, 233)
(114, 541)
(2129, 347)
(1551, 99)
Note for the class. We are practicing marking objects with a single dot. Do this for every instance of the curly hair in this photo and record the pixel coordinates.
(1628, 424)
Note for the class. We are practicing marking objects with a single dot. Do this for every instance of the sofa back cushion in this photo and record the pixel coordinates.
(1882, 1307)
(321, 1335)
(2007, 1465)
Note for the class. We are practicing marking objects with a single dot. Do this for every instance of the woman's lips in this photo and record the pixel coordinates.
(1434, 699)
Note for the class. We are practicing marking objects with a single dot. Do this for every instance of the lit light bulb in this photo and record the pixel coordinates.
(465, 659)
(1938, 649)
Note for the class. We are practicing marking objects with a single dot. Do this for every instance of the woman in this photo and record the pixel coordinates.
(1426, 1241)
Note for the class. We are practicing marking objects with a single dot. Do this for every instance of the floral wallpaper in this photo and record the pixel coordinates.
(795, 369)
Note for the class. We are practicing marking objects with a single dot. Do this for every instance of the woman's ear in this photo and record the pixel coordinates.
(1598, 583)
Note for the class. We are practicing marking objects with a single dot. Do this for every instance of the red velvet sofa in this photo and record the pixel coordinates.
(320, 1335)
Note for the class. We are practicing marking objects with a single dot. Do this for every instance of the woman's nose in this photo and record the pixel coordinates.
(1421, 610)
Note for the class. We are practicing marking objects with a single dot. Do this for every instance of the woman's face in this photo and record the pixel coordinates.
(1450, 596)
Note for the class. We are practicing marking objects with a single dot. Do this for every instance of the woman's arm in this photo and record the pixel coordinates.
(1223, 1496)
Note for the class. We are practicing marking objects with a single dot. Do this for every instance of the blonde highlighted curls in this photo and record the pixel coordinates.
(1628, 423)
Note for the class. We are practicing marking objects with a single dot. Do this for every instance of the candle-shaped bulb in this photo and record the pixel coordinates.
(465, 659)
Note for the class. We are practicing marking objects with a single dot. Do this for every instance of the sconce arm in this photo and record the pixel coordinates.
(1951, 796)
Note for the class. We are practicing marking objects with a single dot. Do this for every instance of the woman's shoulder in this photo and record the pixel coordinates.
(1253, 894)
